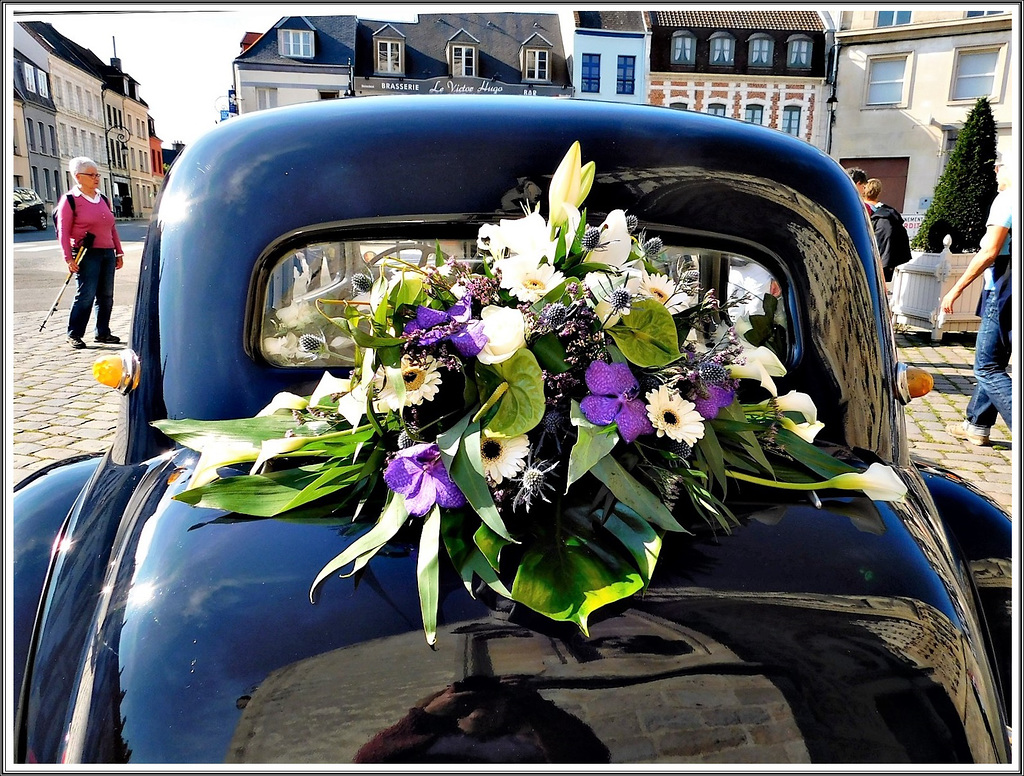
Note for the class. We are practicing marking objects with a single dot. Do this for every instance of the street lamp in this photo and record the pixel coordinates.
(831, 104)
(122, 135)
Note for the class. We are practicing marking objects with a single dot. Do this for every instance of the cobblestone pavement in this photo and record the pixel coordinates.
(58, 409)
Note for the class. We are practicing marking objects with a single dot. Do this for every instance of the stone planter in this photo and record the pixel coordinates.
(919, 285)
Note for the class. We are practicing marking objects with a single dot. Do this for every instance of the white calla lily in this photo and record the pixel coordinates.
(275, 447)
(806, 431)
(795, 401)
(284, 401)
(761, 364)
(216, 456)
(616, 244)
(329, 384)
(879, 483)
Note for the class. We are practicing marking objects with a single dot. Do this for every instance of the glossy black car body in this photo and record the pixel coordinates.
(158, 633)
(29, 210)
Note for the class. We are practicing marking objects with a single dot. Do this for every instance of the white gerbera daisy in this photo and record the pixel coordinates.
(422, 382)
(527, 280)
(503, 456)
(663, 289)
(674, 417)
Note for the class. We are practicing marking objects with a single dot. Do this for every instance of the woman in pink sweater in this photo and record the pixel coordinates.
(95, 272)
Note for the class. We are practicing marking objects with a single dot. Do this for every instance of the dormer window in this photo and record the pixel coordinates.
(390, 47)
(30, 77)
(536, 59)
(296, 44)
(684, 44)
(463, 60)
(799, 47)
(723, 49)
(760, 50)
(462, 55)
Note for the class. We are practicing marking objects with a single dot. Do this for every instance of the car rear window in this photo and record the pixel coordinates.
(308, 285)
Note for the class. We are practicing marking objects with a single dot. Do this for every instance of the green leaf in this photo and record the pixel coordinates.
(811, 456)
(427, 582)
(460, 452)
(466, 556)
(200, 434)
(490, 544)
(569, 581)
(522, 406)
(711, 451)
(592, 444)
(550, 353)
(634, 495)
(637, 536)
(262, 495)
(366, 546)
(647, 336)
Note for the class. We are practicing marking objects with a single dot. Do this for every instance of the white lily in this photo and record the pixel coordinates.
(329, 384)
(616, 244)
(569, 185)
(284, 401)
(761, 364)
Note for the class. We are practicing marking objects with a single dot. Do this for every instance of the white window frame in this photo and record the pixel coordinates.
(791, 110)
(871, 82)
(390, 56)
(757, 41)
(463, 60)
(799, 51)
(41, 80)
(684, 48)
(266, 97)
(994, 91)
(296, 44)
(725, 43)
(538, 62)
(760, 113)
(30, 76)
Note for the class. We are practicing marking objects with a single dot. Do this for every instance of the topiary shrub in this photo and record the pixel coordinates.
(965, 189)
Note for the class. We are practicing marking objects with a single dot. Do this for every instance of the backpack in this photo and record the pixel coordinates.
(71, 201)
(896, 245)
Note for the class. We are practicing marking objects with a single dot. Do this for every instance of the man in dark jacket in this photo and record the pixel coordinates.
(890, 233)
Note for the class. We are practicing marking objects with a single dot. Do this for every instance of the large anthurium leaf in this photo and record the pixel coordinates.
(466, 555)
(572, 579)
(626, 489)
(521, 407)
(427, 582)
(550, 353)
(647, 336)
(366, 546)
(638, 537)
(201, 434)
(490, 544)
(592, 444)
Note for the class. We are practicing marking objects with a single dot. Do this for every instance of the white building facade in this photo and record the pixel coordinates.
(610, 56)
(906, 81)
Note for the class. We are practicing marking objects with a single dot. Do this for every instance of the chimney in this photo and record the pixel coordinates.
(115, 62)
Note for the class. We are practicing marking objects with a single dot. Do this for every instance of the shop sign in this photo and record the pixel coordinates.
(367, 86)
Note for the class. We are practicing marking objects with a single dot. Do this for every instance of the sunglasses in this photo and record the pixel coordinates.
(90, 174)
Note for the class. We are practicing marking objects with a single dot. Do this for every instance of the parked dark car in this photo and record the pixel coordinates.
(827, 629)
(29, 209)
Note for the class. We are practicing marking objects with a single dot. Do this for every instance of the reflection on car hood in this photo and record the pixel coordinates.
(746, 648)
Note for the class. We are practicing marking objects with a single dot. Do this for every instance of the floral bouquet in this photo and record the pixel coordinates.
(543, 416)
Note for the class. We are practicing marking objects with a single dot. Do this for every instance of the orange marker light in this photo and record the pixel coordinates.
(119, 371)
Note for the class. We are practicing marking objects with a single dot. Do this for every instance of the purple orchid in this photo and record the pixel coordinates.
(419, 474)
(454, 324)
(613, 399)
(718, 396)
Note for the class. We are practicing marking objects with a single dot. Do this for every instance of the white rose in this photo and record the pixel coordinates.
(505, 328)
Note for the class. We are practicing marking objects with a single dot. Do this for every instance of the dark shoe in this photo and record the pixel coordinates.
(957, 430)
(76, 343)
(108, 339)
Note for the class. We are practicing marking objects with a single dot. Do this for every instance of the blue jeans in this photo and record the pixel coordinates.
(992, 395)
(95, 278)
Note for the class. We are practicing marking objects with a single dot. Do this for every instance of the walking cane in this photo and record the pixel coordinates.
(85, 245)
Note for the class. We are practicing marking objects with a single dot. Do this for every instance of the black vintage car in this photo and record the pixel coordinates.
(29, 210)
(821, 627)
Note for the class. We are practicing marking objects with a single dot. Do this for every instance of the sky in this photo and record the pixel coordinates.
(181, 54)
